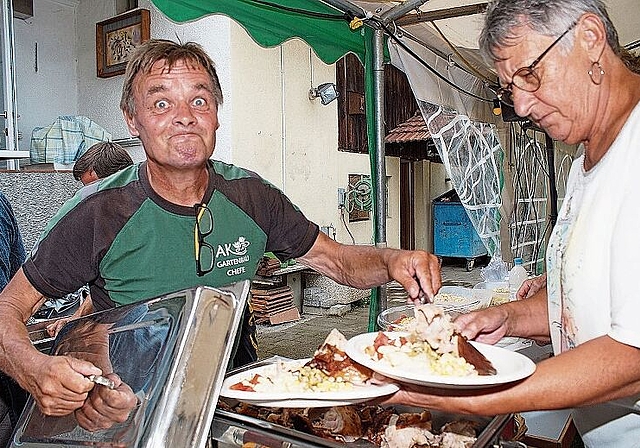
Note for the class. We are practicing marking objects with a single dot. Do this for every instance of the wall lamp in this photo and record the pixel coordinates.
(327, 92)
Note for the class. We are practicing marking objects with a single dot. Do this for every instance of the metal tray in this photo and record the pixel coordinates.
(172, 351)
(232, 429)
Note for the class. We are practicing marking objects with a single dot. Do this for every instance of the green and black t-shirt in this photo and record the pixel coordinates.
(129, 244)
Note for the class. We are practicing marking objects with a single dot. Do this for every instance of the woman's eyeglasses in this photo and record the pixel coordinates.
(525, 78)
(204, 251)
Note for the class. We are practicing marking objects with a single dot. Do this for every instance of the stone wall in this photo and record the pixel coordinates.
(337, 294)
(35, 198)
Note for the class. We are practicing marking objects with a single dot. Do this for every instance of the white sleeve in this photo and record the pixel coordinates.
(625, 266)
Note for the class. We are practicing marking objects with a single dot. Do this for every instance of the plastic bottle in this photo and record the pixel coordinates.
(517, 275)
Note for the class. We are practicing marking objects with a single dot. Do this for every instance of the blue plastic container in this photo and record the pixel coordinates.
(453, 234)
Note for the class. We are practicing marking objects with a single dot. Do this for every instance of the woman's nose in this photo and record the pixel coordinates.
(522, 102)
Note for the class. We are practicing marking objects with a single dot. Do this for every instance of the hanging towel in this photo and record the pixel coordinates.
(65, 139)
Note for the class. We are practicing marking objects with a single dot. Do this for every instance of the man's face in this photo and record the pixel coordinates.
(176, 115)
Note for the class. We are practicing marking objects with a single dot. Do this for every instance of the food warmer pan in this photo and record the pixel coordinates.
(235, 429)
(172, 351)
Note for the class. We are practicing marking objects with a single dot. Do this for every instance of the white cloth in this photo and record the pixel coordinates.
(593, 263)
(66, 139)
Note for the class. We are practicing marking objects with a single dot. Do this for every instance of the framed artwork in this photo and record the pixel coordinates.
(117, 37)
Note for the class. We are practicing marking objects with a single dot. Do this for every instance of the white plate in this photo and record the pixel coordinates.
(275, 398)
(510, 366)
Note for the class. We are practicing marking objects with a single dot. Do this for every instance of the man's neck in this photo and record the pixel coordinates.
(181, 187)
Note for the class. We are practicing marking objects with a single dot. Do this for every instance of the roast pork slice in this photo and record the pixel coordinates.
(474, 357)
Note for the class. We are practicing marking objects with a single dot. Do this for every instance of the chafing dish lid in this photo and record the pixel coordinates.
(172, 351)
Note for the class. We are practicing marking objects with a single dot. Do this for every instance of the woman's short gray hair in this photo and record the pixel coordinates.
(547, 17)
(154, 50)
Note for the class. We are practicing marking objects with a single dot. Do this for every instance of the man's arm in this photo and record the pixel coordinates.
(57, 383)
(366, 266)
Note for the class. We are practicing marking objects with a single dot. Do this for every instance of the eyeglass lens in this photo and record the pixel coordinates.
(204, 262)
(204, 219)
(204, 251)
(524, 79)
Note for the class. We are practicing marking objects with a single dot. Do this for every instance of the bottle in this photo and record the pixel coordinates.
(517, 275)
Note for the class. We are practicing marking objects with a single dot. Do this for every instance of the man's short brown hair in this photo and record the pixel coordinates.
(103, 158)
(154, 50)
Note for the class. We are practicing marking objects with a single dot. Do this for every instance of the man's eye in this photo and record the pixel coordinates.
(162, 104)
(199, 102)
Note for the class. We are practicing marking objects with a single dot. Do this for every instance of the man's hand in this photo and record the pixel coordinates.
(59, 384)
(418, 272)
(85, 308)
(105, 407)
(54, 328)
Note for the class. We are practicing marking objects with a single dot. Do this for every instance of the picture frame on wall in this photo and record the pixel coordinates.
(117, 37)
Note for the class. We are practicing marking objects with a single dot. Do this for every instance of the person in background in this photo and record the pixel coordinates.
(559, 63)
(99, 161)
(12, 253)
(174, 221)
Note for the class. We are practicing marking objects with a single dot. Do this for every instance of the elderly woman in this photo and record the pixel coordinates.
(559, 65)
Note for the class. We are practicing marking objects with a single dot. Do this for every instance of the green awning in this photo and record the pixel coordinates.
(270, 23)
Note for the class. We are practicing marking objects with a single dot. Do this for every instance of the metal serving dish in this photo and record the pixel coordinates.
(231, 429)
(172, 351)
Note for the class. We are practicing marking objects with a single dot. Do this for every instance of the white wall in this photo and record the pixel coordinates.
(287, 138)
(99, 98)
(429, 184)
(268, 123)
(50, 91)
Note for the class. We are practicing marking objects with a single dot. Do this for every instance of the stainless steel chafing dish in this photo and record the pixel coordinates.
(172, 351)
(231, 429)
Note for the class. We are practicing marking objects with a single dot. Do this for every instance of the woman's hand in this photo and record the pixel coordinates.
(531, 286)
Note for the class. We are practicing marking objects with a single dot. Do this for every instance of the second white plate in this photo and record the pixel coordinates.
(510, 366)
(288, 399)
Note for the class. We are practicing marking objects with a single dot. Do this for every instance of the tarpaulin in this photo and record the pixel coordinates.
(66, 139)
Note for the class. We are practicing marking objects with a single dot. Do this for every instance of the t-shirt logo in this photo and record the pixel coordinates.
(240, 246)
(233, 255)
